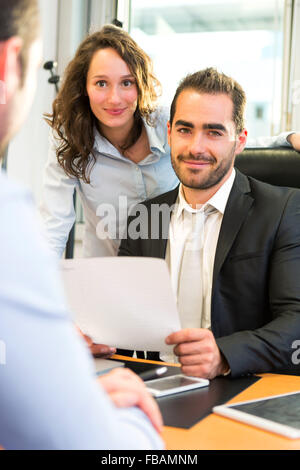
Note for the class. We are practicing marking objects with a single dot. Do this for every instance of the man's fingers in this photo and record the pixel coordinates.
(151, 409)
(190, 360)
(185, 349)
(121, 379)
(102, 350)
(123, 399)
(117, 379)
(126, 389)
(187, 335)
(202, 371)
(97, 350)
(194, 348)
(87, 339)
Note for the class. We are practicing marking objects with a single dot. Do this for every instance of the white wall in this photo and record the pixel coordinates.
(101, 12)
(72, 28)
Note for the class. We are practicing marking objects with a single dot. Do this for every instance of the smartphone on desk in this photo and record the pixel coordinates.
(174, 384)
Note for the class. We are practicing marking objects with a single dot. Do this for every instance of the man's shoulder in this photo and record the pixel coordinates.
(272, 191)
(11, 191)
(168, 197)
(25, 259)
(261, 189)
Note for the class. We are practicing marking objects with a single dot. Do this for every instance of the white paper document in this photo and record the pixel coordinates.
(124, 302)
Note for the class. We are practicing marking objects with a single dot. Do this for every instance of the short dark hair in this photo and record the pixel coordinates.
(20, 18)
(213, 82)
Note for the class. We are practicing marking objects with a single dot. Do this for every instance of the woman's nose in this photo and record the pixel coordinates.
(113, 95)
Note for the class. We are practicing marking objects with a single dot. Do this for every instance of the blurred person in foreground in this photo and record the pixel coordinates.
(50, 398)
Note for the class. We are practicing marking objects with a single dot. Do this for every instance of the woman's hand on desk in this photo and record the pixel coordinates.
(97, 350)
(126, 389)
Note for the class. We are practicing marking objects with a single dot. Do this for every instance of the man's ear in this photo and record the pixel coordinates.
(169, 133)
(10, 67)
(241, 141)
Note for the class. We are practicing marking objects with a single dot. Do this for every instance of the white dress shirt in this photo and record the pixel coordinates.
(201, 238)
(117, 184)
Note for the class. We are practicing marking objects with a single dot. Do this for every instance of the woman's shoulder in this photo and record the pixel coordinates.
(158, 120)
(157, 129)
(160, 116)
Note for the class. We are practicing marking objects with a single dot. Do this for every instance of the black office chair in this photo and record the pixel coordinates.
(278, 166)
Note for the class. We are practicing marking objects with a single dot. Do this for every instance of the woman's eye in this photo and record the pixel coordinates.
(127, 83)
(101, 83)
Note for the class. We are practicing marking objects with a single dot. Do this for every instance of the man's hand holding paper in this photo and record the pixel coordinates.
(198, 353)
(127, 303)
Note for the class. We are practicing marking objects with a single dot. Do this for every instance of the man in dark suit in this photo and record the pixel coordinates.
(232, 243)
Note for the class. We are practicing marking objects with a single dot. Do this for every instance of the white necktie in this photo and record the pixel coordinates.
(190, 286)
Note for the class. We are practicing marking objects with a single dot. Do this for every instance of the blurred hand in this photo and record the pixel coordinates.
(126, 389)
(97, 350)
(294, 140)
(198, 353)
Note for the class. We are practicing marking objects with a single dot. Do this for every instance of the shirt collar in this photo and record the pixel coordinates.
(218, 201)
(155, 141)
(102, 145)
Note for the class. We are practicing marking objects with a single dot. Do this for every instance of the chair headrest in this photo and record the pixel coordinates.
(278, 166)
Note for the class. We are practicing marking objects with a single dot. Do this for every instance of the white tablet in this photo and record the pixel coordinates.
(174, 384)
(102, 366)
(279, 414)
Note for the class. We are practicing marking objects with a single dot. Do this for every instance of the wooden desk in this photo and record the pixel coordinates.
(219, 433)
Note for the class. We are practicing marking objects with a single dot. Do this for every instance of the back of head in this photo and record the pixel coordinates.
(19, 29)
(210, 81)
(20, 18)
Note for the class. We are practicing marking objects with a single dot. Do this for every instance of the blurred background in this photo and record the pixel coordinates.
(255, 42)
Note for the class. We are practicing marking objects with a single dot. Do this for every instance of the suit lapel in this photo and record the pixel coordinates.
(158, 247)
(237, 208)
(238, 205)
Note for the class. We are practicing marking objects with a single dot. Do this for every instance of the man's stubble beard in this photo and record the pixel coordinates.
(213, 178)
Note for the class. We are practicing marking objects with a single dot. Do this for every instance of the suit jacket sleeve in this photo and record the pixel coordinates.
(130, 246)
(272, 345)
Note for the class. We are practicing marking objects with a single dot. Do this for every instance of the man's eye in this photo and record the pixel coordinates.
(184, 130)
(215, 133)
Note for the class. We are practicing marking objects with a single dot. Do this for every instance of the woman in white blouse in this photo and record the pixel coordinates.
(109, 141)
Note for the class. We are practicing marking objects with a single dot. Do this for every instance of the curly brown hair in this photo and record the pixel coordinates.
(72, 119)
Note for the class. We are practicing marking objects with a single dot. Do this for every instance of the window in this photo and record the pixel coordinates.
(240, 38)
